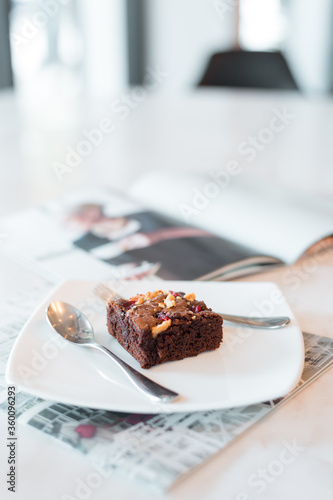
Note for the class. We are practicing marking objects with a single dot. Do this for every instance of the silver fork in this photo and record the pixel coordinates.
(105, 293)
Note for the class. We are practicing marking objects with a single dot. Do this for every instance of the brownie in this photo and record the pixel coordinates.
(164, 326)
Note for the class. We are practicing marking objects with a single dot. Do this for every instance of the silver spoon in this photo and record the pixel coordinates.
(74, 326)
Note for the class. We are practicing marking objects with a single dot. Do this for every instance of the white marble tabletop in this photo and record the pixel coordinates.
(243, 470)
(192, 132)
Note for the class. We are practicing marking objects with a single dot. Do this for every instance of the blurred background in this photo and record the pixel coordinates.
(99, 48)
(67, 64)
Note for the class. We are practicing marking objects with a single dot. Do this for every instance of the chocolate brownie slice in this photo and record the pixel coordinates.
(164, 326)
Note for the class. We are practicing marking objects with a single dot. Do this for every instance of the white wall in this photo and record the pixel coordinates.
(182, 34)
(105, 56)
(309, 43)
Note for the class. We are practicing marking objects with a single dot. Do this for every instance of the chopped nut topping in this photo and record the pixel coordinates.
(151, 295)
(193, 317)
(178, 298)
(160, 328)
(170, 301)
(140, 300)
(190, 296)
(161, 304)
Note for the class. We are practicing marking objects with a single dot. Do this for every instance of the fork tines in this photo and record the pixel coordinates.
(105, 293)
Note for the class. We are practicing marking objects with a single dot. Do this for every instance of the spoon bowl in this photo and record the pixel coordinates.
(70, 323)
(75, 327)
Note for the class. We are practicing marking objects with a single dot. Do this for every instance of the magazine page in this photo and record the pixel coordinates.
(101, 235)
(153, 451)
(232, 207)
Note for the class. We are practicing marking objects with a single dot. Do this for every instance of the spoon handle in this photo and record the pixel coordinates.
(151, 389)
(277, 322)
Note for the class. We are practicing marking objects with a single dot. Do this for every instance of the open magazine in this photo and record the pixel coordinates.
(103, 235)
(272, 225)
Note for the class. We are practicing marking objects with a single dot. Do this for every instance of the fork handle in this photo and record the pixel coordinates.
(267, 322)
(148, 387)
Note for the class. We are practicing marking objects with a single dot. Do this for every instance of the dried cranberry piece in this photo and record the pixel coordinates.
(196, 309)
(128, 304)
(163, 316)
(177, 294)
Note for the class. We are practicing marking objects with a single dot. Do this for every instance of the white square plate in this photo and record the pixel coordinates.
(251, 366)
